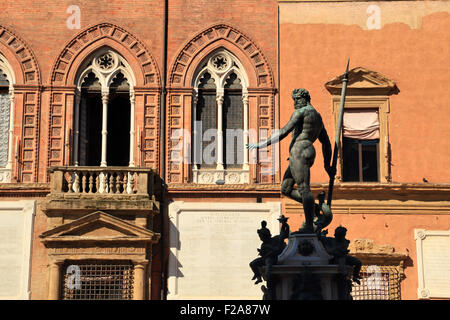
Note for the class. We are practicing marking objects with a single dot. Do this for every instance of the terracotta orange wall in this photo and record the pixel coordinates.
(314, 49)
(397, 230)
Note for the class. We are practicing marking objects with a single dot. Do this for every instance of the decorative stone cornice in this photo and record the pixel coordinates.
(370, 253)
(78, 230)
(347, 191)
(24, 189)
(363, 81)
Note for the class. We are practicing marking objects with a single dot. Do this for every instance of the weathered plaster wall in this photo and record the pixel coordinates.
(411, 48)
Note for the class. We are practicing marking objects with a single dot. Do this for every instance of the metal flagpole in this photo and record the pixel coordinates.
(338, 134)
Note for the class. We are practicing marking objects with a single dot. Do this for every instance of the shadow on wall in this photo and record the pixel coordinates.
(174, 268)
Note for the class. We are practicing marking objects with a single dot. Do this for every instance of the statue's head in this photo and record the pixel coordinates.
(340, 232)
(264, 233)
(301, 97)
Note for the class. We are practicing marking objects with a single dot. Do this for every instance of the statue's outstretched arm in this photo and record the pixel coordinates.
(278, 136)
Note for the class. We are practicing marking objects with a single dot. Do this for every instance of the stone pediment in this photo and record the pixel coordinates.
(99, 226)
(363, 82)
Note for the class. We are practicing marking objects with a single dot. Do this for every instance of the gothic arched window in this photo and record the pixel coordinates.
(220, 125)
(6, 119)
(104, 111)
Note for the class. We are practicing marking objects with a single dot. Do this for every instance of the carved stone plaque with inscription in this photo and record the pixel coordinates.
(211, 246)
(433, 263)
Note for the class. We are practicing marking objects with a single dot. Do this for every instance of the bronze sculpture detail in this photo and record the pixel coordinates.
(306, 126)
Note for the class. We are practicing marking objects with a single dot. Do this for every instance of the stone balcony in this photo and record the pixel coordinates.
(125, 191)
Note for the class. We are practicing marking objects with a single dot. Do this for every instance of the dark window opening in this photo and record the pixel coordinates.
(118, 145)
(360, 160)
(233, 123)
(91, 129)
(118, 122)
(207, 114)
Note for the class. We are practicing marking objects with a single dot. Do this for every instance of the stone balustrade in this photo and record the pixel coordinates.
(101, 180)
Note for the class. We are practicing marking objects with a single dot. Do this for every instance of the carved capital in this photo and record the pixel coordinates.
(132, 97)
(220, 98)
(105, 95)
(195, 98)
(11, 94)
(245, 98)
(140, 264)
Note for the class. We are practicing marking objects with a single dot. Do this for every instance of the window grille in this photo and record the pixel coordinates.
(377, 283)
(207, 114)
(98, 280)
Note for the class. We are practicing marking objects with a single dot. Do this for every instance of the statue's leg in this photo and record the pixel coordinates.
(308, 207)
(356, 263)
(254, 265)
(300, 169)
(287, 186)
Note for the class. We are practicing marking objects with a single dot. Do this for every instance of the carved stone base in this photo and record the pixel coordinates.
(303, 272)
(229, 176)
(5, 175)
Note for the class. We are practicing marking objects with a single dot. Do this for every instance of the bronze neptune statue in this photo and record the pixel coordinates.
(306, 126)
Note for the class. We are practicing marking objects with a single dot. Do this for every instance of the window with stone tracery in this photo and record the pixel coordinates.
(220, 116)
(104, 111)
(6, 121)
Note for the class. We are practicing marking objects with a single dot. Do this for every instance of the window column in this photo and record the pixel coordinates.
(219, 99)
(245, 103)
(139, 280)
(11, 127)
(132, 130)
(196, 141)
(54, 280)
(76, 137)
(105, 97)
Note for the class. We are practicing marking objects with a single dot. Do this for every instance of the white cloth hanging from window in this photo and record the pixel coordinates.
(361, 124)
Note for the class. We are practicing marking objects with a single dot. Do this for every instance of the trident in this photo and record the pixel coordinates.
(338, 135)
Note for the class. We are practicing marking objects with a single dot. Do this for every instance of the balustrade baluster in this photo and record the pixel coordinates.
(130, 186)
(111, 182)
(76, 184)
(125, 182)
(104, 186)
(118, 174)
(91, 182)
(70, 183)
(83, 181)
(98, 176)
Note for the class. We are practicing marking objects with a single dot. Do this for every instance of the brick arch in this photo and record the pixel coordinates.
(105, 34)
(63, 77)
(221, 36)
(20, 57)
(261, 95)
(27, 104)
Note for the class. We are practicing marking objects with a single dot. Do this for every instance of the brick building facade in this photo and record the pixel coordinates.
(103, 101)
